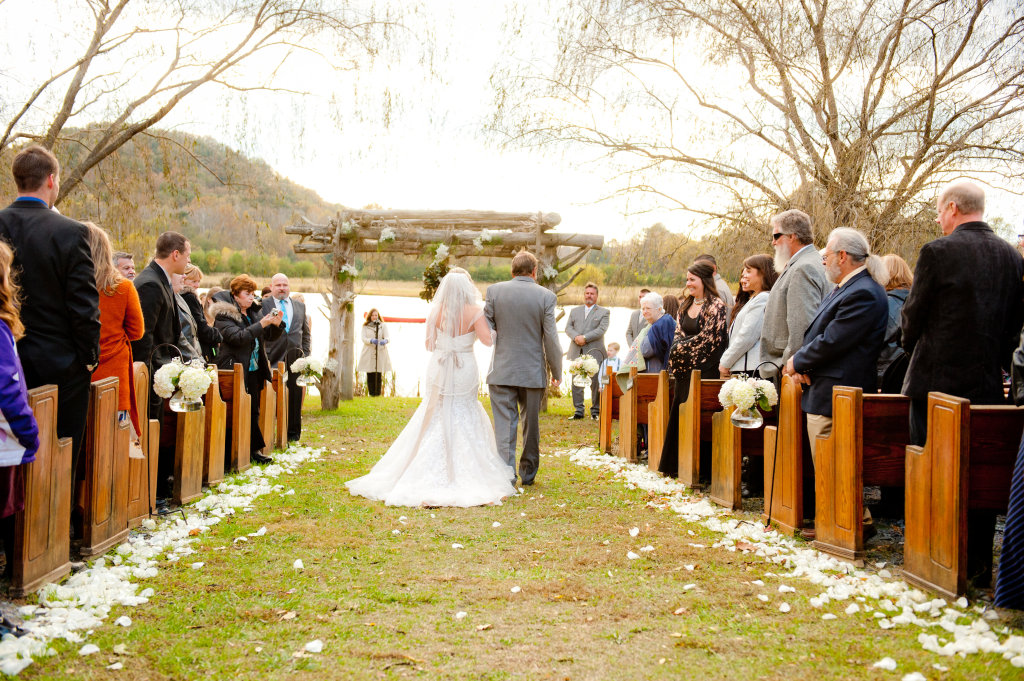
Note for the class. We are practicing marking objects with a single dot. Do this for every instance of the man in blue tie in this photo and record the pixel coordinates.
(295, 342)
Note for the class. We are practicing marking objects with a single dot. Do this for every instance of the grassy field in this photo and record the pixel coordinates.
(382, 588)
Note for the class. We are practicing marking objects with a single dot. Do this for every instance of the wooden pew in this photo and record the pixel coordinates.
(42, 545)
(105, 506)
(695, 425)
(268, 413)
(966, 463)
(610, 395)
(657, 420)
(188, 456)
(280, 383)
(785, 497)
(633, 410)
(232, 390)
(142, 472)
(214, 435)
(867, 446)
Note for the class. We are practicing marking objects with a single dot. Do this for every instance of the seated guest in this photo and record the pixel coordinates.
(655, 345)
(208, 337)
(671, 305)
(245, 330)
(744, 351)
(121, 322)
(21, 423)
(699, 341)
(896, 291)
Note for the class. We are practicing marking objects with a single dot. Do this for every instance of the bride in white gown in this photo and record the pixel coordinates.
(446, 455)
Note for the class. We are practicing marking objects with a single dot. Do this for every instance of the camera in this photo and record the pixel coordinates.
(276, 313)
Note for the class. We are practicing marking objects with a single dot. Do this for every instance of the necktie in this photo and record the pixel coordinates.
(285, 317)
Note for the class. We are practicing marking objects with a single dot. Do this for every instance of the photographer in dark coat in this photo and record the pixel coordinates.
(59, 302)
(246, 331)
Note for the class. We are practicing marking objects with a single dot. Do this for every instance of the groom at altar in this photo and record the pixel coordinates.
(522, 315)
(586, 328)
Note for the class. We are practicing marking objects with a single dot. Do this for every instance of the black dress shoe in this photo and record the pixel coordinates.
(261, 458)
(595, 417)
(575, 417)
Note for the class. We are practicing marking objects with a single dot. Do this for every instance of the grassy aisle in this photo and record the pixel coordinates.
(383, 588)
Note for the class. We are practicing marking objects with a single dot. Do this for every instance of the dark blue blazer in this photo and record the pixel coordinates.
(842, 343)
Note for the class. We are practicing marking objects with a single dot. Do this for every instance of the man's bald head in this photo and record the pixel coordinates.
(279, 286)
(959, 202)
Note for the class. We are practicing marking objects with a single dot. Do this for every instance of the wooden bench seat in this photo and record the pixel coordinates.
(966, 463)
(729, 444)
(268, 413)
(695, 427)
(214, 435)
(189, 443)
(867, 446)
(280, 383)
(105, 502)
(784, 467)
(142, 472)
(232, 391)
(42, 544)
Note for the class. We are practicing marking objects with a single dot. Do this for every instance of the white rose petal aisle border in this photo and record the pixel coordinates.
(851, 591)
(71, 610)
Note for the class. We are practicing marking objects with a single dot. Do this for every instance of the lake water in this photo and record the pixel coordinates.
(407, 350)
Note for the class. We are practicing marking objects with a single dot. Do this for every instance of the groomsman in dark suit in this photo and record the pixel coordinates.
(961, 323)
(585, 329)
(59, 302)
(295, 342)
(163, 328)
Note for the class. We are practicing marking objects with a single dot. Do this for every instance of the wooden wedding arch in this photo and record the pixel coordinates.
(446, 235)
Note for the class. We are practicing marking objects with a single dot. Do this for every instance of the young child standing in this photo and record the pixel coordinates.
(612, 360)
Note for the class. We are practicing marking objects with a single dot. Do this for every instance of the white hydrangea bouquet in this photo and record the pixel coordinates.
(184, 383)
(309, 370)
(745, 393)
(582, 368)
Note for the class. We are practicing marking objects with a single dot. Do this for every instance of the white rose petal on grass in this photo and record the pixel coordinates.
(914, 676)
(196, 566)
(852, 608)
(689, 568)
(457, 546)
(634, 532)
(123, 621)
(786, 589)
(114, 667)
(314, 646)
(828, 616)
(516, 589)
(396, 532)
(647, 549)
(495, 524)
(298, 564)
(632, 556)
(762, 598)
(886, 663)
(689, 587)
(460, 614)
(258, 533)
(784, 607)
(89, 649)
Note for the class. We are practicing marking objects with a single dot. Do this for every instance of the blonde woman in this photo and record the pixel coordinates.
(209, 338)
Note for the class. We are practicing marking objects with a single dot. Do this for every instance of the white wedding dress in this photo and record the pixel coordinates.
(446, 455)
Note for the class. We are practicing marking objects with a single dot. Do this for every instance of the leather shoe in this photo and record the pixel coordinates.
(594, 417)
(261, 458)
(575, 417)
(808, 533)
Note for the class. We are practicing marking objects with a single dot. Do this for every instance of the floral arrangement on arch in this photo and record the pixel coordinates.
(546, 274)
(346, 272)
(435, 271)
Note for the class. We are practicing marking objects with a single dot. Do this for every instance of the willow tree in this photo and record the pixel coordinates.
(854, 111)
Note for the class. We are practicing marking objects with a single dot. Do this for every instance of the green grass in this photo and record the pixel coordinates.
(385, 604)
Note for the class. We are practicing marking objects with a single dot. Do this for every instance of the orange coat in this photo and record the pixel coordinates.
(120, 322)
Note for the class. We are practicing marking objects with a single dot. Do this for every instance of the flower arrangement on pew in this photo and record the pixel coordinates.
(746, 393)
(310, 371)
(184, 383)
(582, 368)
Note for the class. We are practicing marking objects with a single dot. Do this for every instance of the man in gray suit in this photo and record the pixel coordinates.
(636, 321)
(522, 314)
(801, 285)
(586, 328)
(295, 342)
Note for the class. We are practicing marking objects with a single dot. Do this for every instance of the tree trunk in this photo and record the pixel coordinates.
(338, 383)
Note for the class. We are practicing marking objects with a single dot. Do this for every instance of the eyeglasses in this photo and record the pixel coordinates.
(778, 235)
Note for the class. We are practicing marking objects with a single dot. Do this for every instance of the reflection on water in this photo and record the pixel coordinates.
(408, 352)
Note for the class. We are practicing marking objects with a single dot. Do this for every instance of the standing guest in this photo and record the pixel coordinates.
(188, 342)
(209, 337)
(586, 328)
(295, 341)
(208, 300)
(700, 339)
(21, 422)
(1010, 584)
(960, 324)
(374, 359)
(720, 284)
(897, 290)
(59, 303)
(121, 323)
(125, 264)
(636, 320)
(747, 316)
(158, 344)
(797, 292)
(671, 305)
(246, 331)
(656, 344)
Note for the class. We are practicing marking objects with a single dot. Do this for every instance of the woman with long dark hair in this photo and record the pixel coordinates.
(744, 351)
(700, 339)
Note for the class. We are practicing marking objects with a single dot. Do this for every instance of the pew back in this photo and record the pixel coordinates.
(232, 389)
(657, 420)
(633, 410)
(214, 435)
(142, 487)
(281, 390)
(783, 466)
(695, 425)
(610, 395)
(105, 504)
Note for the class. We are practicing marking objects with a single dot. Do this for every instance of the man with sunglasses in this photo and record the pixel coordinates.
(796, 295)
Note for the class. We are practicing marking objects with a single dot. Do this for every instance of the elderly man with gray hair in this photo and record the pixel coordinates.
(842, 343)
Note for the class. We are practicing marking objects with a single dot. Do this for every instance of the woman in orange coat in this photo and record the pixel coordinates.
(120, 323)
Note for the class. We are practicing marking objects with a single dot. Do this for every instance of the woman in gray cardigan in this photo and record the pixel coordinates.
(744, 351)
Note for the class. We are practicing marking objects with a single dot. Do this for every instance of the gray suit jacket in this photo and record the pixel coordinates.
(298, 336)
(636, 325)
(792, 305)
(592, 329)
(522, 314)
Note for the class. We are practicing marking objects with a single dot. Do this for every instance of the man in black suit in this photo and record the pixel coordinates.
(59, 302)
(961, 323)
(163, 327)
(295, 342)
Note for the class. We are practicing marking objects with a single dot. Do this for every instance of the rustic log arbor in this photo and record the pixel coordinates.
(462, 233)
